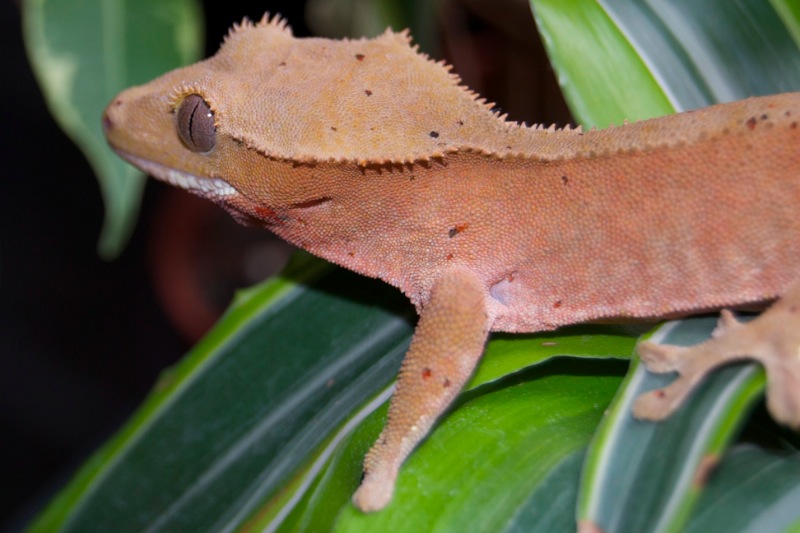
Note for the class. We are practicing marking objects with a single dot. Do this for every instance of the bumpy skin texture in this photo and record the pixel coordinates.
(368, 154)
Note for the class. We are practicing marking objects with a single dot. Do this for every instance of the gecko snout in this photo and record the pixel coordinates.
(110, 114)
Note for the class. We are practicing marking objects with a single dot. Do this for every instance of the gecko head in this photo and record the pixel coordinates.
(262, 125)
(178, 128)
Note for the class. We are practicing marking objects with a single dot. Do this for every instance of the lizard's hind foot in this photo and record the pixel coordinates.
(772, 339)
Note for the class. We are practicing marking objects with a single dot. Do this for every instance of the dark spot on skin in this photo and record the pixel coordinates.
(460, 122)
(333, 128)
(449, 257)
(434, 134)
(751, 123)
(508, 147)
(117, 102)
(360, 57)
(557, 304)
(764, 116)
(282, 64)
(659, 393)
(446, 383)
(426, 373)
(455, 230)
(368, 92)
(564, 180)
(351, 254)
(793, 125)
(787, 114)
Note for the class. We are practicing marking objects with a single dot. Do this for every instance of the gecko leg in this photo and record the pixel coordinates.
(446, 347)
(772, 339)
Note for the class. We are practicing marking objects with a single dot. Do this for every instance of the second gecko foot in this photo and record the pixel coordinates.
(772, 339)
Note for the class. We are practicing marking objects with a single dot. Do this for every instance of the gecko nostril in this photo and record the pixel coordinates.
(108, 124)
(112, 109)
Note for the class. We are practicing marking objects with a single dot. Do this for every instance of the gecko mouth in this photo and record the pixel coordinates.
(210, 187)
(243, 209)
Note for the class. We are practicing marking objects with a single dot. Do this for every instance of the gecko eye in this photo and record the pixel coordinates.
(196, 124)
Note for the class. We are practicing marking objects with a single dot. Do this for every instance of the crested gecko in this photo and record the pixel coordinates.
(370, 155)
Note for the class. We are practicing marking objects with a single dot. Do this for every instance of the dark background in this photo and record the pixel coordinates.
(82, 340)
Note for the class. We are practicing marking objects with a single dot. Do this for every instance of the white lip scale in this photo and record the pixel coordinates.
(207, 186)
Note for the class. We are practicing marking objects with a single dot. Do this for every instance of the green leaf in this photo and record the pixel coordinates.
(703, 53)
(551, 507)
(604, 78)
(244, 408)
(499, 447)
(507, 353)
(240, 431)
(751, 491)
(643, 476)
(618, 60)
(83, 52)
(789, 12)
(503, 445)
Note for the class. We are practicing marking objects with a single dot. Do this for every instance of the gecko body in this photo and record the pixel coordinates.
(370, 155)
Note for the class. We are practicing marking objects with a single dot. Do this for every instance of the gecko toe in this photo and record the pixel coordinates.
(727, 322)
(660, 403)
(660, 358)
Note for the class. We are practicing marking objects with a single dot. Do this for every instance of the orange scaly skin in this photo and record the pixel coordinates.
(368, 154)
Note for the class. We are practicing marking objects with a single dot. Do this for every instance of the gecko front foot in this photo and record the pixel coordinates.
(376, 489)
(772, 339)
(447, 344)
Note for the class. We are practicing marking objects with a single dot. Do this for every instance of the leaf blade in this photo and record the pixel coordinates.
(154, 444)
(603, 78)
(83, 53)
(642, 476)
(752, 490)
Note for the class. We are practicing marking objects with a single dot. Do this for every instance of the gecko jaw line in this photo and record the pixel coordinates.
(208, 186)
